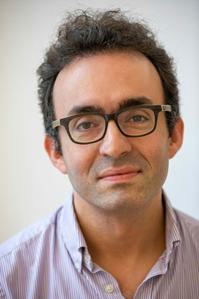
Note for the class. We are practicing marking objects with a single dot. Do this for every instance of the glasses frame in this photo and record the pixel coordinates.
(113, 116)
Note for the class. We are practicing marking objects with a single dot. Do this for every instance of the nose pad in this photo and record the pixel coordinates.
(114, 143)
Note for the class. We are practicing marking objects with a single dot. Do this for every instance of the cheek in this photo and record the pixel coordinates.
(78, 159)
(160, 161)
(160, 142)
(155, 150)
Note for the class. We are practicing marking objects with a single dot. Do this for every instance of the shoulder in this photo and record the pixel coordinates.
(188, 226)
(29, 237)
(187, 220)
(33, 256)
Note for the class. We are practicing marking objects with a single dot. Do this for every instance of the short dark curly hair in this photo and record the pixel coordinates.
(86, 33)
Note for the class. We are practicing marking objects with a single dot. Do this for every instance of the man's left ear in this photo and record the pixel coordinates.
(176, 139)
(55, 156)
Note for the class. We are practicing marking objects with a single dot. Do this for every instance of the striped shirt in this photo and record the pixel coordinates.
(50, 260)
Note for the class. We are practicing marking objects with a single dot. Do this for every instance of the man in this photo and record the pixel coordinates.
(109, 98)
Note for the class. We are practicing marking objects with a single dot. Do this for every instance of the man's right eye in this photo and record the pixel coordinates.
(83, 126)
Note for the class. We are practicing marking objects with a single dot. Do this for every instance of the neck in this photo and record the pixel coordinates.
(122, 234)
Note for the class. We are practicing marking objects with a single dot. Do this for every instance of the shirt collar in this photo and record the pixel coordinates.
(172, 239)
(71, 232)
(172, 230)
(76, 244)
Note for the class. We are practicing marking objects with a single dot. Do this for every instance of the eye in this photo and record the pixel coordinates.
(86, 125)
(138, 118)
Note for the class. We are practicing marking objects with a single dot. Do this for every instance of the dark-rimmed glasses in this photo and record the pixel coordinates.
(90, 127)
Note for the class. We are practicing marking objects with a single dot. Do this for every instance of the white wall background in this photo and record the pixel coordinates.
(30, 187)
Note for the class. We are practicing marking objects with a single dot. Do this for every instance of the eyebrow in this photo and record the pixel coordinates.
(84, 109)
(134, 102)
(122, 105)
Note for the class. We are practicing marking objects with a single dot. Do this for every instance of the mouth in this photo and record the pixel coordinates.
(119, 175)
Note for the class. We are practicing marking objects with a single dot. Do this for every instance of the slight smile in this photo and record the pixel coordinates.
(119, 175)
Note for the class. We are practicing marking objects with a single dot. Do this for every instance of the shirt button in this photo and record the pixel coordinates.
(109, 288)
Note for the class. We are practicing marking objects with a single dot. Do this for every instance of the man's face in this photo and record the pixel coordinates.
(117, 172)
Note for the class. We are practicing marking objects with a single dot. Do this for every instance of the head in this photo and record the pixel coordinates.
(85, 34)
(100, 62)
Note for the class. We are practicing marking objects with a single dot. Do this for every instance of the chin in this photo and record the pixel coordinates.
(118, 201)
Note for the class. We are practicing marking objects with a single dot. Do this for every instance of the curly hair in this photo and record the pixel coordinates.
(85, 33)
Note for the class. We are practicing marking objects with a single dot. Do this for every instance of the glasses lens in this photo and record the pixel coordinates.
(87, 128)
(136, 121)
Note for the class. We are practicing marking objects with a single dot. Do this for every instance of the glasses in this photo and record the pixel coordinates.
(90, 127)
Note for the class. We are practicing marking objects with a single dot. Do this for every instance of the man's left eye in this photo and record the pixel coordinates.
(138, 118)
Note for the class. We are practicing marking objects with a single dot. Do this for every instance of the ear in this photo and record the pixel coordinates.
(55, 157)
(176, 139)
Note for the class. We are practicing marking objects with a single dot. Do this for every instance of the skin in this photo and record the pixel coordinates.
(118, 214)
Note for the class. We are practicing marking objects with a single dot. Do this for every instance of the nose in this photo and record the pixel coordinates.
(114, 143)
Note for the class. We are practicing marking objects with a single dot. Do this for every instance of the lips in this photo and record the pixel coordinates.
(119, 174)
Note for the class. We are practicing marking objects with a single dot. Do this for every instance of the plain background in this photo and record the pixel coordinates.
(30, 188)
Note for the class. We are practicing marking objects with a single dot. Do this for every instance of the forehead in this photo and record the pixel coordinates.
(106, 80)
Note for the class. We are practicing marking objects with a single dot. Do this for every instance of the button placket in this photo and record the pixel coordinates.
(109, 288)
